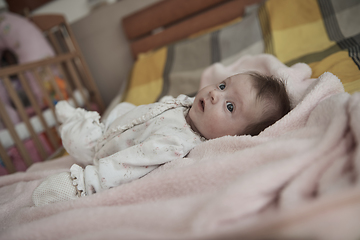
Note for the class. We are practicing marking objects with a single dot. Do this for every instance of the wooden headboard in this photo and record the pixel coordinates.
(169, 21)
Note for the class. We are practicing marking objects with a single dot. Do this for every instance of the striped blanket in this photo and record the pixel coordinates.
(322, 33)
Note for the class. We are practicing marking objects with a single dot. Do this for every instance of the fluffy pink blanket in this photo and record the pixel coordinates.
(297, 179)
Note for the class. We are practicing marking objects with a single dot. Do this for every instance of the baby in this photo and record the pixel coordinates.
(136, 140)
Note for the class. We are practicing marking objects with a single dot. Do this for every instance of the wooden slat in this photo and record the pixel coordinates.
(6, 160)
(71, 48)
(67, 82)
(10, 127)
(78, 63)
(222, 14)
(77, 82)
(54, 83)
(38, 111)
(74, 71)
(21, 110)
(7, 71)
(89, 78)
(45, 94)
(162, 14)
(67, 38)
(83, 74)
(47, 21)
(54, 42)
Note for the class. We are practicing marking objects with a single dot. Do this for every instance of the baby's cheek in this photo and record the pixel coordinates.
(216, 120)
(211, 129)
(224, 126)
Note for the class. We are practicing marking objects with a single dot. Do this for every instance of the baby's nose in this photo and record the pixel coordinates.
(214, 96)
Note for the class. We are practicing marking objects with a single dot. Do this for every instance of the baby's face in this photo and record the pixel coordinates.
(226, 108)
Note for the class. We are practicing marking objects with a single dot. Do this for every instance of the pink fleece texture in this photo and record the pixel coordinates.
(299, 179)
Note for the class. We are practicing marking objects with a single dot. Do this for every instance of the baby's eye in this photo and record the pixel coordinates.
(230, 106)
(222, 86)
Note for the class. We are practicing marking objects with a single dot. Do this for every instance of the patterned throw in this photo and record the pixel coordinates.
(322, 33)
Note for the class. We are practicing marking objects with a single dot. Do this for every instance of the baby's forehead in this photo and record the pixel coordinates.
(239, 76)
(242, 77)
(242, 80)
(245, 88)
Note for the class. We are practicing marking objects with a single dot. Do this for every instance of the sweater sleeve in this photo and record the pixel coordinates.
(79, 131)
(134, 162)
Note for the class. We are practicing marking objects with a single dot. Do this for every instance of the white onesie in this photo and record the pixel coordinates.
(133, 142)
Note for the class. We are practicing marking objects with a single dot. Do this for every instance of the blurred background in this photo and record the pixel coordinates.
(96, 25)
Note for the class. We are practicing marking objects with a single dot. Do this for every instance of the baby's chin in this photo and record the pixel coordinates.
(211, 135)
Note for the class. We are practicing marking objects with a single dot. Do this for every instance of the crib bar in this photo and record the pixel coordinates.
(54, 42)
(47, 21)
(45, 94)
(81, 71)
(67, 38)
(6, 160)
(24, 116)
(10, 126)
(162, 14)
(220, 15)
(93, 87)
(68, 86)
(37, 109)
(77, 81)
(53, 82)
(29, 66)
(64, 75)
(70, 47)
(89, 84)
(44, 22)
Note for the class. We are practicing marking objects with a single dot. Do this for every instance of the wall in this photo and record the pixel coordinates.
(72, 10)
(101, 39)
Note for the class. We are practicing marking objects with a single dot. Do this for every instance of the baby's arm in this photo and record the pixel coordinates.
(121, 167)
(172, 140)
(129, 164)
(79, 131)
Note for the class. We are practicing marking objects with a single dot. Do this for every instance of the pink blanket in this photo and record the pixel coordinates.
(297, 179)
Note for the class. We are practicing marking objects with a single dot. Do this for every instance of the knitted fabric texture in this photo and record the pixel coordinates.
(56, 188)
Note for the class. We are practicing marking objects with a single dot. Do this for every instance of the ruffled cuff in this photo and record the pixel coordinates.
(77, 175)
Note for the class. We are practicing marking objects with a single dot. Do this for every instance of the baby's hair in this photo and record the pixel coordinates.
(271, 91)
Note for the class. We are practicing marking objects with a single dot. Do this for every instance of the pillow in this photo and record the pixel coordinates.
(293, 31)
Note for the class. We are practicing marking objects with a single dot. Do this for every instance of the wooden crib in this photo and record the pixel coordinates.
(67, 77)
